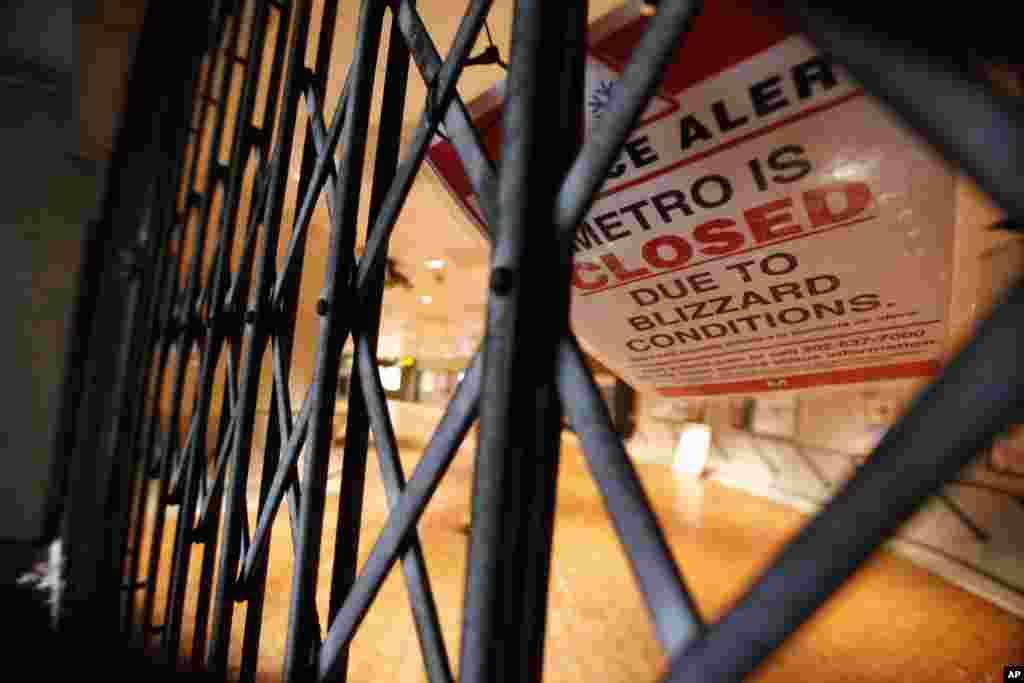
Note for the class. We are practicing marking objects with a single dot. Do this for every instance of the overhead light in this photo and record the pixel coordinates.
(693, 449)
(436, 263)
(426, 299)
(391, 378)
(649, 8)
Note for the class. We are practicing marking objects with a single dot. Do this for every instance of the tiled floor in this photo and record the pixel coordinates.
(894, 622)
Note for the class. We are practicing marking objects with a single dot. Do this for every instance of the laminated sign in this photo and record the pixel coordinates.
(768, 225)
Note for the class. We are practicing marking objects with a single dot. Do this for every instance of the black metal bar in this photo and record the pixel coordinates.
(240, 285)
(97, 428)
(122, 505)
(437, 456)
(211, 180)
(175, 493)
(276, 477)
(190, 195)
(261, 137)
(294, 436)
(421, 597)
(318, 131)
(622, 405)
(256, 335)
(299, 654)
(238, 466)
(195, 456)
(182, 315)
(286, 300)
(325, 168)
(283, 476)
(166, 469)
(567, 43)
(93, 575)
(244, 535)
(254, 607)
(157, 232)
(457, 121)
(208, 508)
(138, 501)
(255, 596)
(447, 75)
(282, 403)
(639, 81)
(151, 372)
(279, 429)
(149, 444)
(365, 316)
(222, 308)
(673, 610)
(203, 486)
(207, 534)
(239, 155)
(646, 68)
(977, 395)
(252, 582)
(520, 421)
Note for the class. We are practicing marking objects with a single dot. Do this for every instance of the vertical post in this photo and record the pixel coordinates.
(623, 401)
(520, 418)
(179, 318)
(299, 652)
(195, 456)
(209, 537)
(223, 313)
(256, 334)
(284, 335)
(195, 452)
(353, 474)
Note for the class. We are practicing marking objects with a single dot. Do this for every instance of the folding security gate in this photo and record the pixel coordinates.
(184, 268)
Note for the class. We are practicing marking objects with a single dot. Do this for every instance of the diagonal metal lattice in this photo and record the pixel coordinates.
(218, 297)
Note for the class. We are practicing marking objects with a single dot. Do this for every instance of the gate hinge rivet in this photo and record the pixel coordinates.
(503, 280)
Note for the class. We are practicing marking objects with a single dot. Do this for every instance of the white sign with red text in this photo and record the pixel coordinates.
(767, 226)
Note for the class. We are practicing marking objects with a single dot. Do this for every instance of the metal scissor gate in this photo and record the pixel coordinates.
(197, 263)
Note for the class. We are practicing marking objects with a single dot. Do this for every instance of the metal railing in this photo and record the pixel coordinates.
(204, 285)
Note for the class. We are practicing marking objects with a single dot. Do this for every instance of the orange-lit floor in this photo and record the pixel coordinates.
(894, 622)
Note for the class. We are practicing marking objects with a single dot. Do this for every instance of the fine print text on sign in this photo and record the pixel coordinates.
(767, 226)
